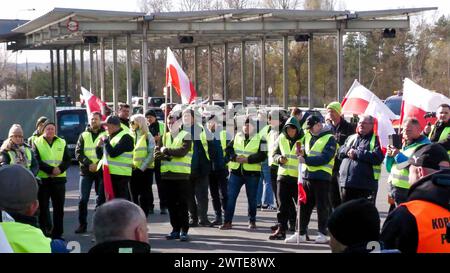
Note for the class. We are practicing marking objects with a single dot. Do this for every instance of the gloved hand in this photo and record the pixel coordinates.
(159, 155)
(301, 193)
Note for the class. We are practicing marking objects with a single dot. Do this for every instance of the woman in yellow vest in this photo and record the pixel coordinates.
(176, 156)
(286, 156)
(143, 164)
(246, 152)
(15, 151)
(54, 159)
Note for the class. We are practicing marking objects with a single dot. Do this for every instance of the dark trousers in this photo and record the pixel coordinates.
(161, 192)
(335, 195)
(198, 198)
(273, 181)
(218, 187)
(55, 191)
(352, 194)
(121, 186)
(177, 203)
(287, 195)
(86, 182)
(141, 189)
(317, 192)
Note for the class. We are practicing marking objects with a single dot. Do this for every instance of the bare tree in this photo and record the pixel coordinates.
(281, 4)
(319, 4)
(236, 4)
(154, 5)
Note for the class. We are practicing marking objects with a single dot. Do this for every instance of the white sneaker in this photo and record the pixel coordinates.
(321, 239)
(296, 238)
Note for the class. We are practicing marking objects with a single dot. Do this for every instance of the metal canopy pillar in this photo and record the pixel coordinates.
(74, 77)
(225, 73)
(128, 72)
(58, 73)
(66, 82)
(340, 62)
(196, 68)
(243, 74)
(102, 71)
(115, 76)
(52, 71)
(183, 60)
(82, 66)
(145, 67)
(91, 69)
(310, 71)
(210, 85)
(263, 71)
(285, 71)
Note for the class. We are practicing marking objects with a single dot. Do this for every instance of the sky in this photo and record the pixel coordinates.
(20, 9)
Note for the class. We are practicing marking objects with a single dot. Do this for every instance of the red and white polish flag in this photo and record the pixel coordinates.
(360, 100)
(176, 77)
(107, 182)
(417, 101)
(93, 103)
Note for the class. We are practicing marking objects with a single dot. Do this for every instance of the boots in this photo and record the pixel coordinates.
(279, 234)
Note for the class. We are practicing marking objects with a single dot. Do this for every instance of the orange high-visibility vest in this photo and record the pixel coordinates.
(431, 222)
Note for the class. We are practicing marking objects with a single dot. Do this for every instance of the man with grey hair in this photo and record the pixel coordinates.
(361, 157)
(120, 226)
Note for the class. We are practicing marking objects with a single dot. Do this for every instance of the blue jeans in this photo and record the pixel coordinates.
(235, 184)
(265, 192)
(85, 192)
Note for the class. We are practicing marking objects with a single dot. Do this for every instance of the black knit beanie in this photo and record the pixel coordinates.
(355, 222)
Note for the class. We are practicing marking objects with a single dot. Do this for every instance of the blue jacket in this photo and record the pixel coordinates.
(358, 173)
(216, 153)
(327, 154)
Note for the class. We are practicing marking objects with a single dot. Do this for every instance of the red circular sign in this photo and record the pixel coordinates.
(72, 25)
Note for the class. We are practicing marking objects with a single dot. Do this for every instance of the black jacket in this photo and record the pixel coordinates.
(358, 173)
(81, 157)
(436, 133)
(5, 159)
(65, 164)
(400, 228)
(180, 152)
(126, 144)
(126, 246)
(341, 132)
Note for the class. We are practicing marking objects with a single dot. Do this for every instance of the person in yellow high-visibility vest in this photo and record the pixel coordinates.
(245, 152)
(87, 157)
(15, 151)
(119, 147)
(320, 150)
(19, 231)
(54, 159)
(176, 157)
(440, 131)
(156, 128)
(143, 164)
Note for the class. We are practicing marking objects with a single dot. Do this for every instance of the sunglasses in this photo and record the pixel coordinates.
(131, 122)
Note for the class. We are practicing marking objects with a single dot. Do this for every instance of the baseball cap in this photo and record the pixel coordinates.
(114, 120)
(311, 121)
(18, 188)
(429, 156)
(150, 113)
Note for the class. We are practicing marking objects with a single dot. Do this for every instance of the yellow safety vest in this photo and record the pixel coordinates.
(264, 132)
(376, 168)
(400, 178)
(443, 135)
(140, 152)
(291, 166)
(271, 141)
(240, 148)
(316, 150)
(53, 156)
(161, 128)
(122, 164)
(25, 238)
(176, 164)
(125, 128)
(13, 157)
(90, 145)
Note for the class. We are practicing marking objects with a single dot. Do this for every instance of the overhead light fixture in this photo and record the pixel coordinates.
(90, 39)
(186, 39)
(389, 33)
(302, 38)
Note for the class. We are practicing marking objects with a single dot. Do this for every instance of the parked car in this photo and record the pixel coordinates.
(60, 101)
(159, 113)
(71, 122)
(152, 101)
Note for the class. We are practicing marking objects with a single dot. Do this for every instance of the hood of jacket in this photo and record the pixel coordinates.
(292, 121)
(434, 188)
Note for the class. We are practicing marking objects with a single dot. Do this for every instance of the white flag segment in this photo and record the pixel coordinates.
(358, 98)
(383, 126)
(176, 77)
(417, 101)
(93, 103)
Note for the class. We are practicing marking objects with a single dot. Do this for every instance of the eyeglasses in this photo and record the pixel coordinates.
(131, 122)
